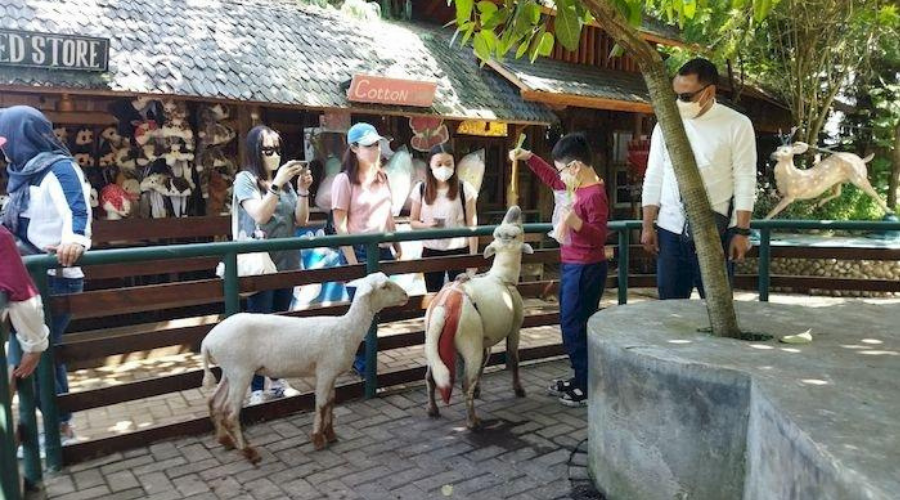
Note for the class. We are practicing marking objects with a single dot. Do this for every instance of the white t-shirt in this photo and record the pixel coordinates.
(725, 148)
(443, 207)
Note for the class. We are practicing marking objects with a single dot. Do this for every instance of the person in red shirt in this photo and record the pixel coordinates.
(24, 306)
(583, 268)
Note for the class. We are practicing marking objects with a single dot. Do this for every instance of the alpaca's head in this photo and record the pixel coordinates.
(509, 237)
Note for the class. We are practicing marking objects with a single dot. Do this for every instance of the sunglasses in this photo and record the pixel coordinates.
(271, 150)
(689, 96)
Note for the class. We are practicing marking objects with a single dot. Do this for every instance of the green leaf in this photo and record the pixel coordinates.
(761, 9)
(523, 49)
(690, 8)
(546, 45)
(616, 51)
(486, 7)
(463, 10)
(482, 49)
(469, 32)
(534, 13)
(568, 25)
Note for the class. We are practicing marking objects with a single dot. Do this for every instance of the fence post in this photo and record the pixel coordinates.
(9, 474)
(232, 285)
(47, 380)
(372, 266)
(624, 244)
(28, 423)
(765, 259)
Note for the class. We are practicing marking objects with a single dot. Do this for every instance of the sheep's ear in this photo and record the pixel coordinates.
(362, 285)
(800, 148)
(489, 251)
(526, 248)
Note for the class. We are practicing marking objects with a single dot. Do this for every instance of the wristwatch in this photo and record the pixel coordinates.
(743, 231)
(276, 190)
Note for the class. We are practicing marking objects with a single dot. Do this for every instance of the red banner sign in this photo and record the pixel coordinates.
(381, 90)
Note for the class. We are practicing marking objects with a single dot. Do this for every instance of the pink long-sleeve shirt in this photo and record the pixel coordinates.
(591, 206)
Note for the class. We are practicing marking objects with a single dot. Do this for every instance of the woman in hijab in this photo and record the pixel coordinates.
(49, 210)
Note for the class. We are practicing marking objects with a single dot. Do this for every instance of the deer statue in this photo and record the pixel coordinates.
(828, 174)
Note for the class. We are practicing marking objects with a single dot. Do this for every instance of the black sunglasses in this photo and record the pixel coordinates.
(689, 96)
(271, 150)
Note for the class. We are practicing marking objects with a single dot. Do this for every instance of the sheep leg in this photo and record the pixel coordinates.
(236, 394)
(433, 411)
(330, 436)
(323, 391)
(216, 404)
(512, 361)
(835, 192)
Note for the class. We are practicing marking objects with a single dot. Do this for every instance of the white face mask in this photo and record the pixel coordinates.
(442, 174)
(688, 110)
(272, 162)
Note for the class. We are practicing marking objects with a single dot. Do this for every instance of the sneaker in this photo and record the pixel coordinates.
(20, 453)
(279, 389)
(257, 397)
(560, 386)
(574, 398)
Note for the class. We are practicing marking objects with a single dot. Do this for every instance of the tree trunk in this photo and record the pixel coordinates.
(895, 170)
(719, 297)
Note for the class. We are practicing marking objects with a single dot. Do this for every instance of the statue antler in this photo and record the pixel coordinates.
(786, 138)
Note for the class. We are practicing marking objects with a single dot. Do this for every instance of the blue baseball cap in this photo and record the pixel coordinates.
(363, 134)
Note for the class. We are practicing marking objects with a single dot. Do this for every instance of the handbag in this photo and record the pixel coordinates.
(248, 264)
(722, 222)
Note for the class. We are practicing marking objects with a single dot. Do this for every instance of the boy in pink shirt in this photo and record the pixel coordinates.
(24, 305)
(583, 268)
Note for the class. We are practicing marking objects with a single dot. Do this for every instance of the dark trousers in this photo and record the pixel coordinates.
(267, 302)
(58, 325)
(580, 289)
(434, 281)
(384, 253)
(677, 267)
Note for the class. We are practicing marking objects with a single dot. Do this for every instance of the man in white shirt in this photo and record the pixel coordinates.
(724, 145)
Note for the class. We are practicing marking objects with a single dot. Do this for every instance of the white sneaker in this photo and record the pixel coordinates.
(279, 389)
(20, 453)
(257, 397)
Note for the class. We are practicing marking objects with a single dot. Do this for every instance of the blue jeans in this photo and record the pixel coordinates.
(267, 302)
(58, 325)
(580, 289)
(677, 268)
(384, 253)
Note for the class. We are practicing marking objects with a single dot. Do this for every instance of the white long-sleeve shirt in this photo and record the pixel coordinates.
(724, 145)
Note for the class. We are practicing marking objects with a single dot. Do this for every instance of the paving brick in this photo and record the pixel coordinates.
(122, 480)
(87, 494)
(155, 482)
(190, 485)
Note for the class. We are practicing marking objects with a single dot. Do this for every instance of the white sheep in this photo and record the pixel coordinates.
(470, 316)
(244, 345)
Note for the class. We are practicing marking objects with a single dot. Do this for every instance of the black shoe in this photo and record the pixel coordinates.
(574, 397)
(560, 386)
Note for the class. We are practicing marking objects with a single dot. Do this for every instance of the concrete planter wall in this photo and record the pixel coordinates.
(676, 414)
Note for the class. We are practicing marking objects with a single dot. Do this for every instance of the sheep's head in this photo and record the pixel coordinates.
(382, 291)
(509, 236)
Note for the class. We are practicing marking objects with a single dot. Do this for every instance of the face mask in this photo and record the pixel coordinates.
(570, 181)
(443, 174)
(688, 110)
(272, 162)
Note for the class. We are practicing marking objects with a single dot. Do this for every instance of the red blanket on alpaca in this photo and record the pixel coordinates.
(451, 299)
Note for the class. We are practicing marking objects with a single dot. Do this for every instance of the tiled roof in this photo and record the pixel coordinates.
(556, 77)
(273, 51)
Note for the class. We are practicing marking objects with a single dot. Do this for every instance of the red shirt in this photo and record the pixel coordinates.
(591, 206)
(14, 278)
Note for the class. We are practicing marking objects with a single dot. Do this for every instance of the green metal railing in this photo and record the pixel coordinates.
(228, 251)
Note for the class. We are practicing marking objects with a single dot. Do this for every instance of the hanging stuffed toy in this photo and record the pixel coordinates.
(400, 174)
(82, 147)
(153, 188)
(428, 133)
(471, 169)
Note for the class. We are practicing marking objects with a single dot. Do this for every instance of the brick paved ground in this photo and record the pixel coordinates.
(388, 449)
